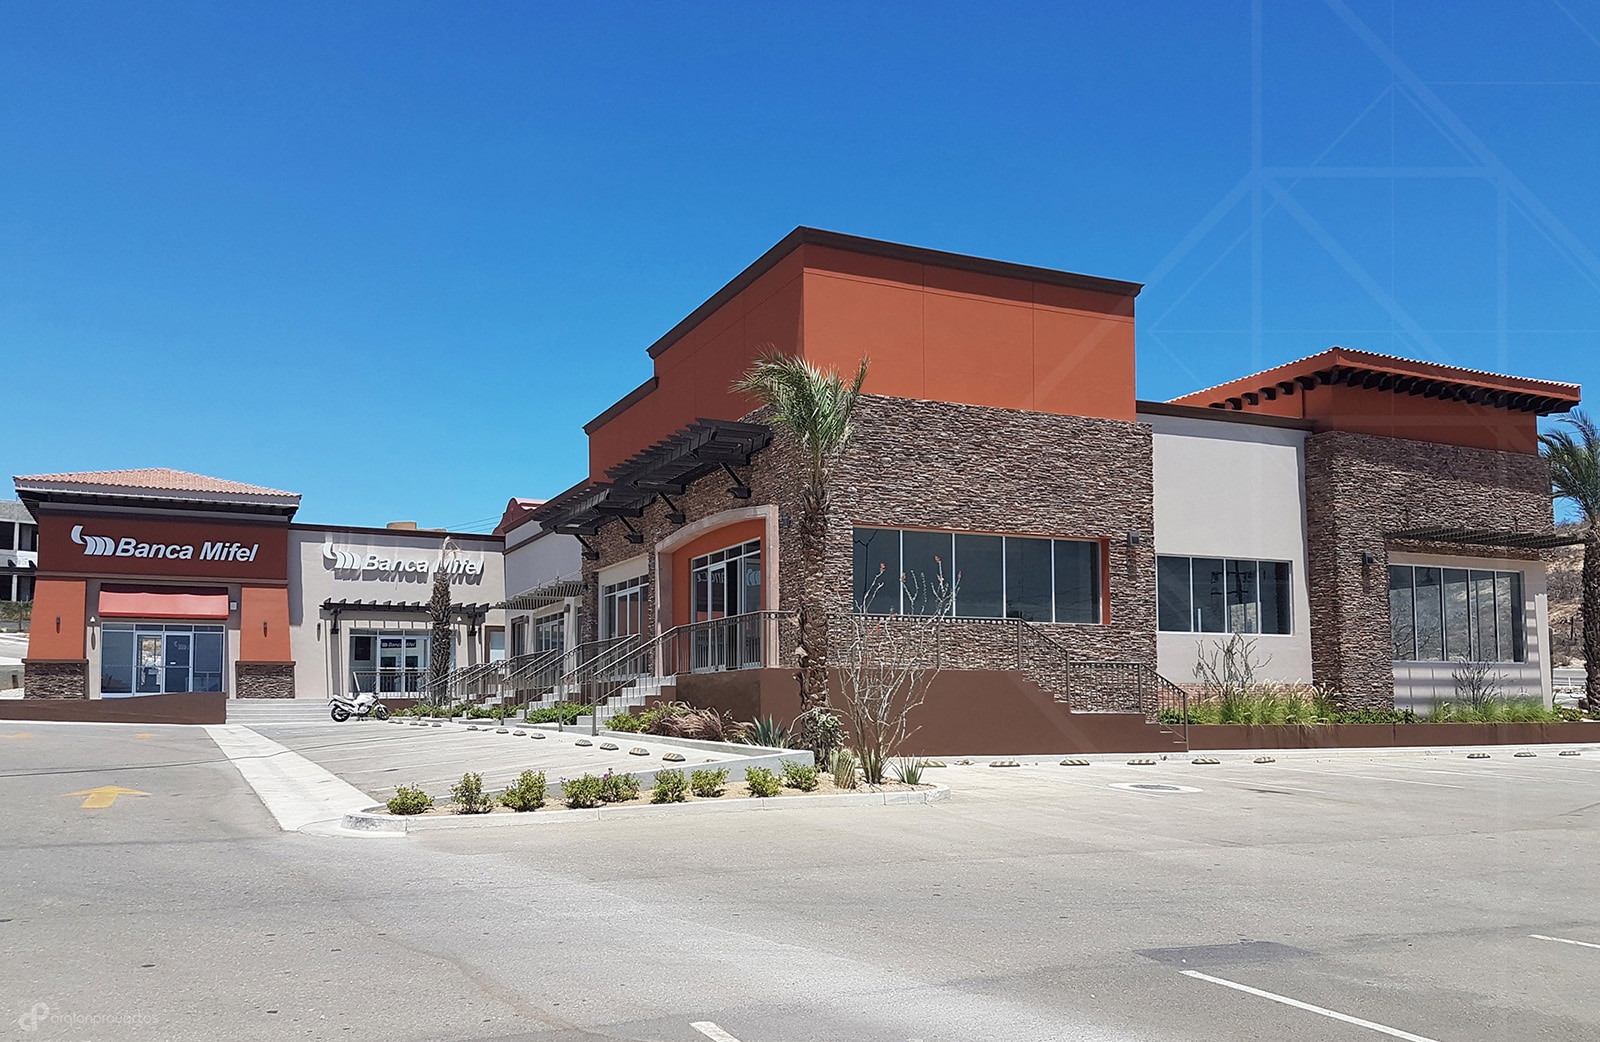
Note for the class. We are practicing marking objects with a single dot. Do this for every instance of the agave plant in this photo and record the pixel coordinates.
(768, 732)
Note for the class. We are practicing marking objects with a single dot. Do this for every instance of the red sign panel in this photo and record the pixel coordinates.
(114, 545)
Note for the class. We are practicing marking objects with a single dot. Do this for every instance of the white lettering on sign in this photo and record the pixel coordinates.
(356, 563)
(127, 546)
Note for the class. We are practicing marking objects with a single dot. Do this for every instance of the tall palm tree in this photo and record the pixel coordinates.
(1573, 456)
(443, 635)
(815, 409)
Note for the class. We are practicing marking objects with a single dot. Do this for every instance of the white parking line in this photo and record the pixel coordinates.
(1372, 777)
(1563, 940)
(1308, 1007)
(711, 1031)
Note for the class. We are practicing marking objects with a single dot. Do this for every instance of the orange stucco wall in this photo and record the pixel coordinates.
(58, 599)
(944, 335)
(697, 372)
(264, 624)
(931, 332)
(1364, 411)
(710, 542)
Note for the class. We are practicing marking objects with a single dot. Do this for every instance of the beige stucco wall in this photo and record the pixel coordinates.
(316, 577)
(1227, 489)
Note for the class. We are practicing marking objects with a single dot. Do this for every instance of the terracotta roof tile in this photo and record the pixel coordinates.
(156, 479)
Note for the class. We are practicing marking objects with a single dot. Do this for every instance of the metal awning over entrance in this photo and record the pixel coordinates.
(471, 614)
(543, 596)
(665, 469)
(1487, 537)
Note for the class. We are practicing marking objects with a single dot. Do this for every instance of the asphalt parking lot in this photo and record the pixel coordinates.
(1355, 896)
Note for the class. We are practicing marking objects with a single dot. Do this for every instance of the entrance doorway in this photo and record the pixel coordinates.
(727, 591)
(149, 658)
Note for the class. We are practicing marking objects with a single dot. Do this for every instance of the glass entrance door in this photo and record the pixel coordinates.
(150, 658)
(727, 591)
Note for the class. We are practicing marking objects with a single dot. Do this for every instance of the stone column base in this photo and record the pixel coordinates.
(263, 680)
(55, 678)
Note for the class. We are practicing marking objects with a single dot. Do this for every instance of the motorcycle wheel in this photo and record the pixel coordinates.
(340, 713)
(381, 711)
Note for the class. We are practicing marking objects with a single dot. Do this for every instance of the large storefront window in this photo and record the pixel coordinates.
(1223, 595)
(152, 658)
(549, 633)
(1013, 577)
(1455, 614)
(389, 662)
(727, 585)
(622, 607)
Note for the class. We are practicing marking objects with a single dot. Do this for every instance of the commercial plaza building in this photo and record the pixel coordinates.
(159, 582)
(1367, 521)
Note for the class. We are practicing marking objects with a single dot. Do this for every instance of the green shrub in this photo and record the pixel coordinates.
(908, 771)
(1569, 714)
(762, 782)
(1494, 710)
(626, 722)
(707, 783)
(617, 788)
(469, 796)
(821, 730)
(842, 765)
(561, 712)
(581, 792)
(799, 776)
(408, 799)
(670, 787)
(527, 794)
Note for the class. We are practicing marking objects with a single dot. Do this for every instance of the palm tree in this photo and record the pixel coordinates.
(443, 636)
(1573, 456)
(815, 409)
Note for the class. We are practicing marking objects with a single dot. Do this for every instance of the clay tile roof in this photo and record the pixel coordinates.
(155, 479)
(1342, 364)
(517, 511)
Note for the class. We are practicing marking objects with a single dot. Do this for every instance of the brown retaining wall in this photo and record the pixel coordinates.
(1384, 736)
(195, 707)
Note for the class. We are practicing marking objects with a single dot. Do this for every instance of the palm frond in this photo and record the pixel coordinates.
(1572, 453)
(815, 406)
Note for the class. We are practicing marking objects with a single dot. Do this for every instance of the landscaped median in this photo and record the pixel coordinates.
(1386, 736)
(736, 797)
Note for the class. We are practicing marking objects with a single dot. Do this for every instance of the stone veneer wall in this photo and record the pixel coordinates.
(263, 680)
(940, 465)
(1359, 486)
(55, 678)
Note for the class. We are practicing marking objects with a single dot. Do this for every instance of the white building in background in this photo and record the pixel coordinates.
(358, 602)
(19, 551)
(543, 573)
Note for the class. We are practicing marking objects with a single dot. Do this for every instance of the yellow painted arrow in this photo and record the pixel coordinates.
(104, 796)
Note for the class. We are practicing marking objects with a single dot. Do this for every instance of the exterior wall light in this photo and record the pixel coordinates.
(1135, 539)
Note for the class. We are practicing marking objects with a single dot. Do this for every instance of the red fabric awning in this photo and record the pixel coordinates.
(162, 602)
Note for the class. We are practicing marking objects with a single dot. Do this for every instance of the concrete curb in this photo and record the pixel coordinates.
(377, 821)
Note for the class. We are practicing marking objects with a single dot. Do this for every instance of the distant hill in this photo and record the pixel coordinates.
(1564, 571)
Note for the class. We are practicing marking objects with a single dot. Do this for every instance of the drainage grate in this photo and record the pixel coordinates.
(1245, 952)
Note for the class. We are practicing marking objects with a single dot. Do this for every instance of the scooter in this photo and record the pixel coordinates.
(363, 704)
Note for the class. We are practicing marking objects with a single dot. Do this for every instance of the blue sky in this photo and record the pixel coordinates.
(393, 256)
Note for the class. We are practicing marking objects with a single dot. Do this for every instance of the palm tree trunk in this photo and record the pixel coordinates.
(813, 609)
(1591, 619)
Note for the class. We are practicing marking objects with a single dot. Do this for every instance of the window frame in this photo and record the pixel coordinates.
(952, 566)
(1224, 596)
